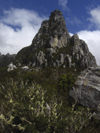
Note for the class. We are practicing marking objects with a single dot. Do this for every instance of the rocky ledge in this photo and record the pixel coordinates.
(87, 88)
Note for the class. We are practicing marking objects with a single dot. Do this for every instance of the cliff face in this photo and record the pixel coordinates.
(54, 47)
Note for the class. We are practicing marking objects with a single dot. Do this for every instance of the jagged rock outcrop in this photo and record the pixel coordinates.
(54, 47)
(5, 60)
(87, 88)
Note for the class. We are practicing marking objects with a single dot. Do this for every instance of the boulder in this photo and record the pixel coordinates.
(11, 67)
(25, 67)
(87, 88)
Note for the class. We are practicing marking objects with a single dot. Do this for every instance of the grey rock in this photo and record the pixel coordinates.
(33, 65)
(69, 61)
(51, 51)
(11, 67)
(25, 68)
(54, 47)
(41, 57)
(81, 54)
(62, 58)
(87, 88)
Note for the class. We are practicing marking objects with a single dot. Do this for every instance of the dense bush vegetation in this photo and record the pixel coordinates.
(28, 106)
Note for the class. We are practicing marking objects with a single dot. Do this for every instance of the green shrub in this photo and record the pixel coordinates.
(41, 123)
(24, 108)
(65, 83)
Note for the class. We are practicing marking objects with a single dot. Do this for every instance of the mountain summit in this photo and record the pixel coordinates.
(54, 47)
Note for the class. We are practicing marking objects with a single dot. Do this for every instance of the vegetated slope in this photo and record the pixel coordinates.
(37, 100)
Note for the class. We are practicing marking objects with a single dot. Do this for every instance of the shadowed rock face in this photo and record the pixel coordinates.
(87, 88)
(52, 46)
(5, 60)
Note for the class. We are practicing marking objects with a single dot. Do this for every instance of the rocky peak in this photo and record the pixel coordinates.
(52, 46)
(56, 15)
(75, 40)
(53, 32)
(44, 25)
(57, 24)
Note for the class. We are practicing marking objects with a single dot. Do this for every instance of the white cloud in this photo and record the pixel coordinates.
(17, 29)
(63, 3)
(95, 17)
(92, 38)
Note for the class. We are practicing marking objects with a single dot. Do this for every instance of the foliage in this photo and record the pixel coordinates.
(26, 108)
(65, 83)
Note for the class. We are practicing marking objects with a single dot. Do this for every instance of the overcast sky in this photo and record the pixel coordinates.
(21, 19)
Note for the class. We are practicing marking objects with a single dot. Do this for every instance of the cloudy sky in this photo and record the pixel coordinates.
(21, 19)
